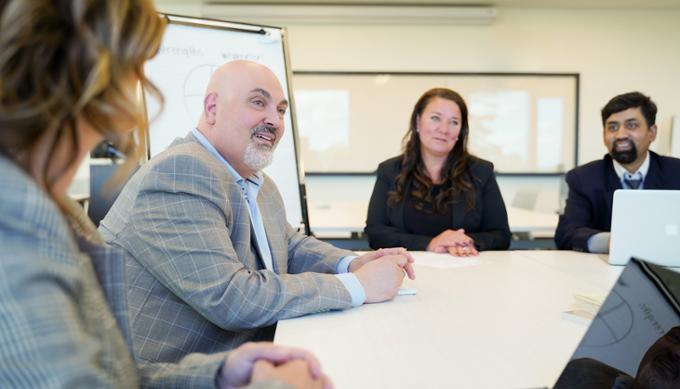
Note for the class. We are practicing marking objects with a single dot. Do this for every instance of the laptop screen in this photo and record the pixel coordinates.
(645, 224)
(634, 341)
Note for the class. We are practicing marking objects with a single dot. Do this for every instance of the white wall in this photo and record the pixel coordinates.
(615, 51)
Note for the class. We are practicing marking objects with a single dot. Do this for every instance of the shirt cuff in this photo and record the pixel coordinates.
(353, 286)
(343, 265)
(599, 243)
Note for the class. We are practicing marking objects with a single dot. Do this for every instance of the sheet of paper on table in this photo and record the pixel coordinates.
(442, 261)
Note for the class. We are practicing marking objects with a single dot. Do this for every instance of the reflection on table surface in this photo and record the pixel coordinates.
(495, 321)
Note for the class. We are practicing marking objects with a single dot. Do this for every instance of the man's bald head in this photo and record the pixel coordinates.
(233, 78)
(243, 112)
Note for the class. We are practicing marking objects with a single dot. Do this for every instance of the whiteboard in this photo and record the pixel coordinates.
(351, 121)
(191, 50)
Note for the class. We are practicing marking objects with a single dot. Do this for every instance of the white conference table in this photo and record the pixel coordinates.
(492, 322)
(341, 219)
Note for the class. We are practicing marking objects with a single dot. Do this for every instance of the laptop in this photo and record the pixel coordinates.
(635, 335)
(646, 224)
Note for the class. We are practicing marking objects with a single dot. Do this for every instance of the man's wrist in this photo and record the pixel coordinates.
(354, 265)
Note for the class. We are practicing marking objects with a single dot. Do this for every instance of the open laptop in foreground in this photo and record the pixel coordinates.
(646, 224)
(634, 341)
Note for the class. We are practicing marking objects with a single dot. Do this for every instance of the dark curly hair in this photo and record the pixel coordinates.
(455, 176)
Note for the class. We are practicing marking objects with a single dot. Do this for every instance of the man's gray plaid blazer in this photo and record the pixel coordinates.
(195, 280)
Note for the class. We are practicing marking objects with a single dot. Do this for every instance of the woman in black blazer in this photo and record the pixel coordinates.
(436, 196)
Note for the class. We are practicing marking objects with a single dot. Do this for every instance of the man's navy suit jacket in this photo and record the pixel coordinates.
(591, 194)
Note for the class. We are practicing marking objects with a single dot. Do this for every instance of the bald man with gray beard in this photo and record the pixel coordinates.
(212, 261)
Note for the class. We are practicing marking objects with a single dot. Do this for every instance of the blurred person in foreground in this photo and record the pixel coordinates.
(69, 72)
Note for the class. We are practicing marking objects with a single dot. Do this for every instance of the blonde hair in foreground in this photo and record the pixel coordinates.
(67, 60)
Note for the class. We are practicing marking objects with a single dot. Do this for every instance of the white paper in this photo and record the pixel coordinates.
(442, 261)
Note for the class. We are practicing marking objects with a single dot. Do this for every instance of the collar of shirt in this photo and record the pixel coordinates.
(621, 171)
(254, 179)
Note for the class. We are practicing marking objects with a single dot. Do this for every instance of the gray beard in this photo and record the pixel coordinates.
(256, 157)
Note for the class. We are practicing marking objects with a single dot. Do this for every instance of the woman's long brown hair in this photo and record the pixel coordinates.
(455, 176)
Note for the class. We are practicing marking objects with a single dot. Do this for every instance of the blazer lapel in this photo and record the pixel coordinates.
(275, 230)
(612, 184)
(613, 181)
(654, 179)
(255, 247)
(243, 232)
